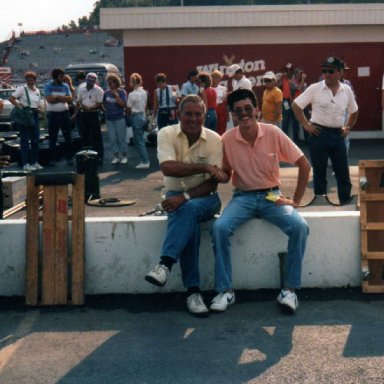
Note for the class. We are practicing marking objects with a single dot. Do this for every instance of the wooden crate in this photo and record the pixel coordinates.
(371, 195)
(56, 276)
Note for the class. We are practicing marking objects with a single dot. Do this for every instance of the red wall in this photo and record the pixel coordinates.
(177, 61)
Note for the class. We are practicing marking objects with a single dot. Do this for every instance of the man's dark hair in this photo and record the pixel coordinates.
(241, 94)
(192, 74)
(57, 72)
(80, 75)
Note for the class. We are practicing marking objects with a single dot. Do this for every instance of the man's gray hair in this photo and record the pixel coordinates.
(192, 99)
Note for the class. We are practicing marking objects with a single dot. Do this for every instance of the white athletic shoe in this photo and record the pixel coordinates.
(115, 160)
(36, 166)
(124, 160)
(28, 167)
(158, 275)
(142, 166)
(288, 300)
(221, 302)
(196, 305)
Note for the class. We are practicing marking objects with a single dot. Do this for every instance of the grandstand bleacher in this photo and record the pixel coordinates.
(41, 52)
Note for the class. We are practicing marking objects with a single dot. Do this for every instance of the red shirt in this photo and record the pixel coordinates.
(286, 88)
(211, 97)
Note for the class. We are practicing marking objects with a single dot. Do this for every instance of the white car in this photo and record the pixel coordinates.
(8, 106)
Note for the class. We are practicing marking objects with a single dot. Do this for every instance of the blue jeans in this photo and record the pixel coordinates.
(165, 117)
(247, 205)
(139, 121)
(288, 117)
(211, 119)
(182, 239)
(329, 144)
(30, 133)
(117, 132)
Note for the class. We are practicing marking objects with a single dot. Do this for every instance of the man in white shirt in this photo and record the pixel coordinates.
(89, 105)
(330, 99)
(239, 80)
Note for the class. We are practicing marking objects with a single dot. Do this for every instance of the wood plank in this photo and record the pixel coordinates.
(372, 196)
(373, 255)
(371, 164)
(372, 226)
(48, 256)
(78, 231)
(373, 288)
(61, 245)
(32, 243)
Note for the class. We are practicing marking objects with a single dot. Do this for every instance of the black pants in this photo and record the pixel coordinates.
(90, 132)
(57, 121)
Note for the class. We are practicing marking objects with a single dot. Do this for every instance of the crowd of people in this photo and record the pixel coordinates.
(196, 152)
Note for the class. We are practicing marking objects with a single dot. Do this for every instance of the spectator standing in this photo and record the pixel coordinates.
(28, 96)
(209, 96)
(89, 103)
(330, 99)
(239, 81)
(272, 101)
(284, 83)
(114, 101)
(221, 102)
(164, 102)
(58, 95)
(191, 87)
(252, 152)
(298, 85)
(72, 105)
(190, 158)
(137, 102)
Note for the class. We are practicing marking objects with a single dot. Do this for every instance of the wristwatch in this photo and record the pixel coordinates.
(187, 196)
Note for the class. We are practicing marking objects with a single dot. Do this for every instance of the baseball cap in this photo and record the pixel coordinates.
(232, 69)
(345, 66)
(333, 62)
(289, 66)
(269, 75)
(91, 75)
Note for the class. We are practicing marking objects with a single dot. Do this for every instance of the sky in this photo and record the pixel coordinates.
(40, 14)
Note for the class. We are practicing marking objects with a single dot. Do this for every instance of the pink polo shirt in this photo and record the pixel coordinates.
(257, 167)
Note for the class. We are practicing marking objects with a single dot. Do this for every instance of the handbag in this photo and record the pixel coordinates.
(24, 115)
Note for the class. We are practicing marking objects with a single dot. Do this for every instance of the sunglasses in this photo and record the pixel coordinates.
(247, 109)
(330, 71)
(267, 80)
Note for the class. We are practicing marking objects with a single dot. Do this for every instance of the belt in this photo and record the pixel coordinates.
(264, 190)
(324, 127)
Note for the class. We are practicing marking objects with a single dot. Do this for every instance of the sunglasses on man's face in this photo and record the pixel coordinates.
(267, 80)
(330, 71)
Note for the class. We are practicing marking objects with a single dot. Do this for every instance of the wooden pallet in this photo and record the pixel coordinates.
(372, 224)
(55, 276)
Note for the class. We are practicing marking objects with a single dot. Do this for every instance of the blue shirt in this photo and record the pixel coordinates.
(51, 89)
(189, 88)
(113, 111)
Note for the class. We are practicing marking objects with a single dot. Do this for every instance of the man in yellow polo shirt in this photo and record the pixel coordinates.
(252, 152)
(190, 158)
(271, 111)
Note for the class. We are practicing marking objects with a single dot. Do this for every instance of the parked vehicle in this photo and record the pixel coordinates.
(8, 106)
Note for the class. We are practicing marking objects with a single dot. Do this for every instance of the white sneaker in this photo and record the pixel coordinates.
(124, 160)
(221, 302)
(37, 166)
(28, 167)
(158, 275)
(115, 160)
(196, 305)
(143, 166)
(288, 300)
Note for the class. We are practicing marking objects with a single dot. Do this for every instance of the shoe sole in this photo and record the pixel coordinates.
(215, 310)
(286, 308)
(153, 281)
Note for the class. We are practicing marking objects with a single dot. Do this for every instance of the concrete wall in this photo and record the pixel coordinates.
(120, 251)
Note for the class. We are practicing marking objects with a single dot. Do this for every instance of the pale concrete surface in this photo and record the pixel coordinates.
(335, 337)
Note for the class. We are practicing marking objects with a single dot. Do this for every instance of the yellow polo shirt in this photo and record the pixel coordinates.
(172, 144)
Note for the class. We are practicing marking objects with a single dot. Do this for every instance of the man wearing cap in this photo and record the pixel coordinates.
(89, 105)
(239, 80)
(190, 87)
(272, 101)
(330, 99)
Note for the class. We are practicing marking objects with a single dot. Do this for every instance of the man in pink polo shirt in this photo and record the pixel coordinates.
(252, 152)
